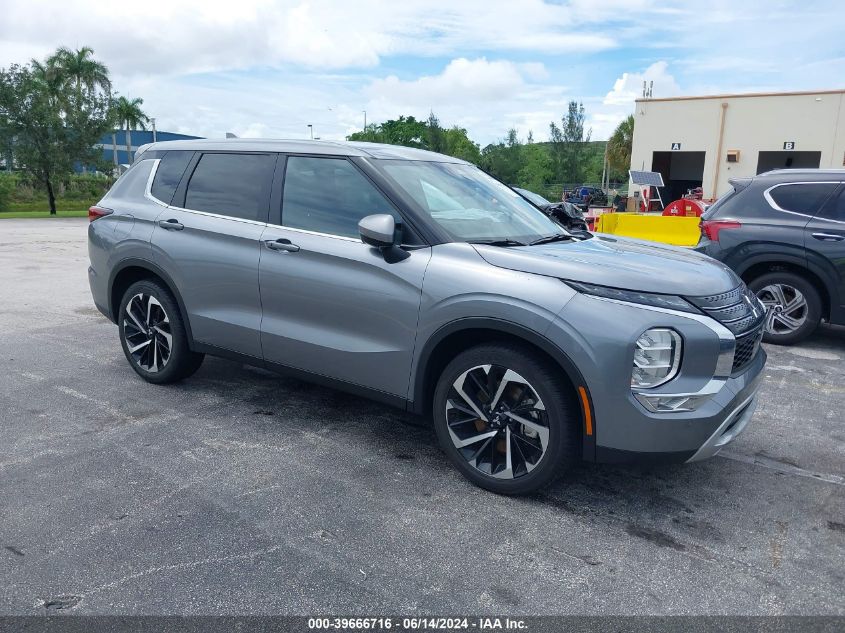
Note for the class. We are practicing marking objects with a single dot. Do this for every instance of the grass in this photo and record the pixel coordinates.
(67, 213)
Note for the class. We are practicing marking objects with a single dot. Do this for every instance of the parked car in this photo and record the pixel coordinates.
(783, 232)
(566, 214)
(417, 280)
(578, 195)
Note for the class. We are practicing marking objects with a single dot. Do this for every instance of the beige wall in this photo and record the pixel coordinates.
(814, 121)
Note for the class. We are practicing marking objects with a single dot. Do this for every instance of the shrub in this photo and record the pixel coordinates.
(7, 188)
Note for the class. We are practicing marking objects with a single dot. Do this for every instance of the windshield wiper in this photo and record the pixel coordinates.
(503, 242)
(557, 237)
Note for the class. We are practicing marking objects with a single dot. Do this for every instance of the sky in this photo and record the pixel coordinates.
(263, 68)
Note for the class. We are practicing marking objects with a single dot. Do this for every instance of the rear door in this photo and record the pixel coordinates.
(208, 241)
(824, 239)
(332, 305)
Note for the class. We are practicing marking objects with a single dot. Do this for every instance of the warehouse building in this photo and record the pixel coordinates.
(705, 141)
(116, 152)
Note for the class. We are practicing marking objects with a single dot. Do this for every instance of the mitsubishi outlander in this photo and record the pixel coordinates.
(418, 280)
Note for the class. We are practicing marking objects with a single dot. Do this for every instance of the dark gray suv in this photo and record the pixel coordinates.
(417, 280)
(783, 232)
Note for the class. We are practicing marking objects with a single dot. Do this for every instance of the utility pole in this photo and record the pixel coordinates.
(153, 121)
(365, 119)
(311, 130)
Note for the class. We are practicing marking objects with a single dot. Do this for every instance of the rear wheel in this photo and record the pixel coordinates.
(793, 306)
(506, 419)
(153, 334)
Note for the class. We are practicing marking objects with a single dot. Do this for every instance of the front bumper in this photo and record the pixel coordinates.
(624, 430)
(727, 432)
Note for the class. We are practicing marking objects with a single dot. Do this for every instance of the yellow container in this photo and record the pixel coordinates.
(675, 230)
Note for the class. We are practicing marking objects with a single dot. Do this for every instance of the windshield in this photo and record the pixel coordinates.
(468, 204)
(536, 198)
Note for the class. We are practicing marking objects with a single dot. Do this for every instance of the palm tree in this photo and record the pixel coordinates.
(78, 69)
(75, 70)
(128, 112)
(619, 145)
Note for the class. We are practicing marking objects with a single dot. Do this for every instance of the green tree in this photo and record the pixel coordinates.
(574, 140)
(77, 69)
(619, 146)
(435, 138)
(49, 132)
(535, 171)
(459, 145)
(128, 113)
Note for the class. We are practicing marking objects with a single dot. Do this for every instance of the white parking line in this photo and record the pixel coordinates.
(787, 469)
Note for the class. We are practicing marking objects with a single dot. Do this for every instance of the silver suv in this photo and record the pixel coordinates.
(417, 280)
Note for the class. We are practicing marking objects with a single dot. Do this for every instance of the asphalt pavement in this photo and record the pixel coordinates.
(242, 492)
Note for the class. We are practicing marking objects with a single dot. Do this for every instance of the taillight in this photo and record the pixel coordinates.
(95, 213)
(710, 228)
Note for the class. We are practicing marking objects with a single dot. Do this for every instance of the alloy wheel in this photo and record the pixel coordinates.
(786, 308)
(146, 330)
(497, 421)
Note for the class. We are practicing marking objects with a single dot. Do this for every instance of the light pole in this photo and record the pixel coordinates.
(365, 119)
(153, 121)
(311, 130)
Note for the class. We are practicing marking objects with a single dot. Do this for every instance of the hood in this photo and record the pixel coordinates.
(620, 263)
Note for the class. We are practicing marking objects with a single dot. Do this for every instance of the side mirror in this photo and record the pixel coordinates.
(378, 230)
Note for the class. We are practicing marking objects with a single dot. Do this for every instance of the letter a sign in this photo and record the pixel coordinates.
(676, 147)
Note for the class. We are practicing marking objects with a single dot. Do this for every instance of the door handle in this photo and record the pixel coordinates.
(281, 244)
(829, 237)
(171, 225)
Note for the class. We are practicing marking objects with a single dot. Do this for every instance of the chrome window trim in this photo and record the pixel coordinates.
(317, 233)
(774, 205)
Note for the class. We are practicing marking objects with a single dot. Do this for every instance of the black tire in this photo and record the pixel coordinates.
(813, 313)
(181, 362)
(561, 416)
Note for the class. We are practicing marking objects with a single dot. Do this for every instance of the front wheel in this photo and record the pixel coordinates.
(793, 306)
(505, 417)
(153, 335)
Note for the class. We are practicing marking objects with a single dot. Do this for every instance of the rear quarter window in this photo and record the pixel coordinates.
(802, 198)
(170, 170)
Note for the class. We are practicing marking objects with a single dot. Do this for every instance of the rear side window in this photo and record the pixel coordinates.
(329, 195)
(803, 198)
(237, 185)
(169, 173)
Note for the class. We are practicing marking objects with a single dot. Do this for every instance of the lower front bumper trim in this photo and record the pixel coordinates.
(733, 425)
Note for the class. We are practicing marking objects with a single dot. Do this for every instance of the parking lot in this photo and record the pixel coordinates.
(242, 492)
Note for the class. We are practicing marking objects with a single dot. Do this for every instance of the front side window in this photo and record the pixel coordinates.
(470, 205)
(329, 195)
(236, 185)
(804, 198)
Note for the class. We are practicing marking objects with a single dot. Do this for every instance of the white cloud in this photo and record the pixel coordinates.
(169, 37)
(269, 67)
(630, 85)
(462, 81)
(485, 96)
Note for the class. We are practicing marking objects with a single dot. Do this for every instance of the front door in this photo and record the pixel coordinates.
(824, 239)
(332, 305)
(209, 242)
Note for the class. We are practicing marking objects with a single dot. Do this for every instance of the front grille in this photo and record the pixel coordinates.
(743, 314)
(746, 349)
(739, 310)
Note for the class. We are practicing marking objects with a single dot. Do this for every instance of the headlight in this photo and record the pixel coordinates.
(657, 356)
(670, 302)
